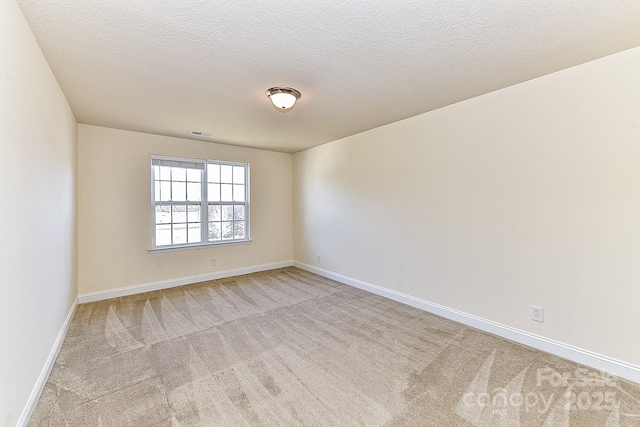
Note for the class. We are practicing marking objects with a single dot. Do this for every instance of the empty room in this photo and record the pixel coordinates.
(409, 213)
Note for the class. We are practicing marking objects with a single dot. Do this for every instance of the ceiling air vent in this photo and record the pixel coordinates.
(200, 134)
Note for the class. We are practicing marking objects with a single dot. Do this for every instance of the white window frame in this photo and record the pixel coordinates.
(203, 203)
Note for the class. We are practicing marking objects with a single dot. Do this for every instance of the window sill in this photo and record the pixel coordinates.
(199, 246)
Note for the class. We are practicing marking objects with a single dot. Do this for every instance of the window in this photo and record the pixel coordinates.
(198, 202)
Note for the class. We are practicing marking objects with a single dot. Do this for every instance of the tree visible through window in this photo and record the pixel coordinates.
(198, 202)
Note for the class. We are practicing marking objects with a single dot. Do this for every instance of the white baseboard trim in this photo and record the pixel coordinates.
(165, 284)
(46, 369)
(585, 357)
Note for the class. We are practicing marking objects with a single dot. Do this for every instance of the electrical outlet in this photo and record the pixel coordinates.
(537, 314)
(317, 258)
(214, 262)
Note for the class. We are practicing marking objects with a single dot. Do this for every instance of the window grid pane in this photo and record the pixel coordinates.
(226, 174)
(214, 231)
(178, 174)
(193, 234)
(165, 191)
(213, 172)
(238, 230)
(238, 193)
(238, 174)
(226, 192)
(194, 175)
(238, 212)
(165, 173)
(163, 234)
(193, 213)
(194, 191)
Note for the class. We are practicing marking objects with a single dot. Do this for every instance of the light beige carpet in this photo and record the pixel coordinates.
(289, 348)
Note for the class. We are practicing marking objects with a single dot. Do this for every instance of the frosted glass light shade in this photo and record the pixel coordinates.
(283, 98)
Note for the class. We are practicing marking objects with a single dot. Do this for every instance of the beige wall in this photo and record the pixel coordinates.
(37, 211)
(525, 196)
(114, 210)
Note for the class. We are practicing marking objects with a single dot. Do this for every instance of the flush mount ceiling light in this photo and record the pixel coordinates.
(283, 98)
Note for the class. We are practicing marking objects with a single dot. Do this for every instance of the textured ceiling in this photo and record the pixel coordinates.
(167, 67)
